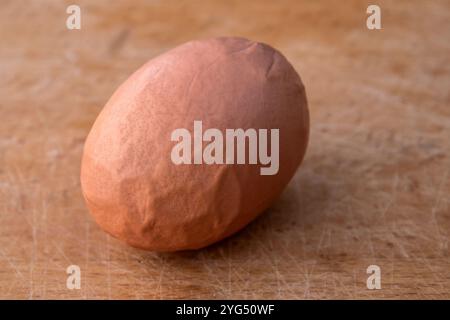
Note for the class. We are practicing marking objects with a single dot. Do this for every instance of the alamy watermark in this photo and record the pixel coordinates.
(235, 141)
(374, 20)
(374, 280)
(74, 279)
(73, 21)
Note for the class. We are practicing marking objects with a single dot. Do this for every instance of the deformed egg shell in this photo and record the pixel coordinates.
(134, 190)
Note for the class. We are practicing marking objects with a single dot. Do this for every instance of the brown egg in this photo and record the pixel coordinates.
(165, 166)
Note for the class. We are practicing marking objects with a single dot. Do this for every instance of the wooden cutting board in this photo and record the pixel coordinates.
(373, 189)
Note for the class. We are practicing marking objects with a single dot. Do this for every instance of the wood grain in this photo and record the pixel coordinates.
(374, 187)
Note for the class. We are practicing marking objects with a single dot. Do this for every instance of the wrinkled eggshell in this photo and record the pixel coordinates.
(131, 186)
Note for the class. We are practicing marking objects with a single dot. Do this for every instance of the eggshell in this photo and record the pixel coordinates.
(134, 190)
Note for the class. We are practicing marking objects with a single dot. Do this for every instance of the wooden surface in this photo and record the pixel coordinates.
(373, 189)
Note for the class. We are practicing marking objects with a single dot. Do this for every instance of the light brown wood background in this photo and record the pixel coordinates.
(373, 189)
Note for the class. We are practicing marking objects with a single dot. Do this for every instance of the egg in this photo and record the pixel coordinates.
(195, 144)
